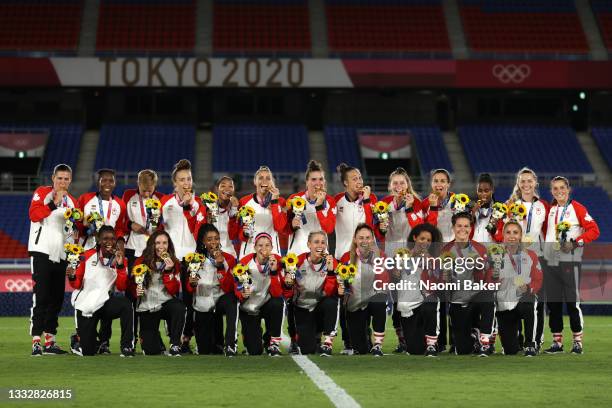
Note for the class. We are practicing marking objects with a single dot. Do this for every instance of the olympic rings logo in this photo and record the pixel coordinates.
(18, 285)
(511, 73)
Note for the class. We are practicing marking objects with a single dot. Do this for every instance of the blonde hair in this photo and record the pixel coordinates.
(353, 250)
(400, 171)
(516, 191)
(147, 177)
(262, 169)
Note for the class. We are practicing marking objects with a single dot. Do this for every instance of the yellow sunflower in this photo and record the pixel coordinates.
(239, 270)
(290, 260)
(298, 203)
(381, 207)
(140, 270)
(209, 197)
(68, 213)
(153, 203)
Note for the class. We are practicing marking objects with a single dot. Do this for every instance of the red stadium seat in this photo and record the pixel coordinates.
(518, 31)
(154, 28)
(40, 26)
(387, 28)
(261, 28)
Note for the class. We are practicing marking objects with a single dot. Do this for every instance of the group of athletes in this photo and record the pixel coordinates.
(140, 269)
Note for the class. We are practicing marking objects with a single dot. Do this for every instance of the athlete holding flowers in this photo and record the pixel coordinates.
(569, 227)
(157, 294)
(212, 286)
(363, 302)
(268, 215)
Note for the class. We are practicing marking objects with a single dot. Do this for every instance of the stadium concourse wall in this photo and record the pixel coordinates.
(302, 73)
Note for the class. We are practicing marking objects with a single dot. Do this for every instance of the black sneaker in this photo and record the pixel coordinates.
(492, 348)
(294, 348)
(274, 351)
(185, 348)
(530, 352)
(53, 349)
(75, 345)
(325, 351)
(175, 351)
(127, 352)
(452, 350)
(377, 351)
(577, 348)
(431, 351)
(440, 348)
(230, 351)
(485, 351)
(347, 352)
(555, 348)
(103, 348)
(401, 348)
(37, 349)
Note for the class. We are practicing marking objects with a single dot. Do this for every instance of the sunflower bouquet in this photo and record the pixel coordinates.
(297, 206)
(242, 276)
(140, 272)
(561, 232)
(517, 211)
(403, 252)
(496, 257)
(194, 262)
(499, 211)
(459, 202)
(346, 274)
(73, 254)
(246, 215)
(290, 262)
(381, 212)
(153, 207)
(210, 200)
(71, 217)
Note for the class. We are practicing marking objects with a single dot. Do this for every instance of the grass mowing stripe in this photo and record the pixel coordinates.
(337, 395)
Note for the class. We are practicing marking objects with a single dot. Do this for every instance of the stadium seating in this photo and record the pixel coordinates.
(542, 27)
(63, 143)
(259, 27)
(243, 148)
(603, 12)
(603, 138)
(504, 149)
(151, 27)
(40, 25)
(14, 230)
(343, 145)
(386, 27)
(156, 147)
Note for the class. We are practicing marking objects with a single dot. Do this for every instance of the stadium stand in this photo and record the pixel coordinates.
(258, 27)
(387, 27)
(603, 13)
(160, 147)
(343, 145)
(243, 148)
(14, 231)
(603, 138)
(42, 26)
(63, 143)
(151, 27)
(504, 149)
(541, 28)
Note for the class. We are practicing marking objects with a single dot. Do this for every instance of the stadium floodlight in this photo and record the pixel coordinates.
(21, 154)
(582, 95)
(384, 156)
(575, 108)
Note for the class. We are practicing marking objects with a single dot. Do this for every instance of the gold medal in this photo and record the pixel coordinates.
(557, 246)
(519, 281)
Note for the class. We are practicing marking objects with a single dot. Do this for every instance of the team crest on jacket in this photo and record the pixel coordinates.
(36, 197)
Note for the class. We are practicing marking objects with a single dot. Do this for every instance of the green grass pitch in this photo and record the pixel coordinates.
(390, 381)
